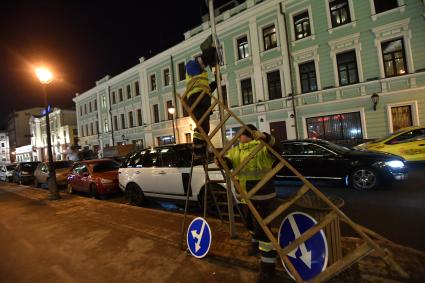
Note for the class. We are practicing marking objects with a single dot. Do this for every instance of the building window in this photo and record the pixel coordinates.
(243, 51)
(116, 123)
(394, 58)
(401, 117)
(114, 99)
(269, 37)
(340, 12)
(130, 119)
(82, 133)
(90, 107)
(155, 113)
(347, 68)
(224, 93)
(302, 25)
(166, 77)
(120, 94)
(128, 92)
(169, 105)
(188, 137)
(137, 88)
(95, 105)
(346, 126)
(308, 77)
(91, 129)
(122, 121)
(85, 108)
(139, 117)
(246, 89)
(182, 71)
(153, 82)
(87, 129)
(384, 5)
(81, 110)
(105, 125)
(273, 83)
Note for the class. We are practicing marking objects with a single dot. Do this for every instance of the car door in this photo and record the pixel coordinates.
(326, 163)
(75, 179)
(294, 153)
(169, 173)
(144, 173)
(410, 145)
(84, 178)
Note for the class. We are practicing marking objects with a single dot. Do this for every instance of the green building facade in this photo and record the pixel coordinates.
(342, 70)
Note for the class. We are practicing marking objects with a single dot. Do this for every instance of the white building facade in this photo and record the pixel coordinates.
(4, 148)
(63, 129)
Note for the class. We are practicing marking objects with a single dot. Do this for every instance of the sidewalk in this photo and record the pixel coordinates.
(77, 239)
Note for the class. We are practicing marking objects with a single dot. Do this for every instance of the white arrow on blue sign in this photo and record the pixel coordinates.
(199, 237)
(309, 258)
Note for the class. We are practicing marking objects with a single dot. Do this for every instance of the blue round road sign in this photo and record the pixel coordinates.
(199, 237)
(311, 257)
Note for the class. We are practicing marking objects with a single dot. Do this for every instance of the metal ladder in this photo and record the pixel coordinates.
(338, 266)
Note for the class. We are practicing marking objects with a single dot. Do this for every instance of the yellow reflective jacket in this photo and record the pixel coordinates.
(198, 83)
(254, 170)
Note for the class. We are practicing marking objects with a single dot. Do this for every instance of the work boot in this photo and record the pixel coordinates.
(267, 272)
(253, 250)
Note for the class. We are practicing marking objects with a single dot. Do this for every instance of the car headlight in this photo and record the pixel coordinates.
(106, 181)
(395, 164)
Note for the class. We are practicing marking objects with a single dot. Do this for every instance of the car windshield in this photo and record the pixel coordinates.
(387, 136)
(28, 167)
(337, 148)
(61, 165)
(105, 166)
(11, 167)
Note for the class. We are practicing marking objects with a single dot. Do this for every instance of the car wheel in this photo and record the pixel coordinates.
(134, 195)
(69, 188)
(93, 191)
(363, 179)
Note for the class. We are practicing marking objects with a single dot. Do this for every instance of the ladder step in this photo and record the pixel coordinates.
(286, 204)
(198, 99)
(219, 192)
(248, 159)
(217, 181)
(207, 113)
(361, 251)
(218, 127)
(213, 169)
(265, 179)
(310, 232)
(231, 142)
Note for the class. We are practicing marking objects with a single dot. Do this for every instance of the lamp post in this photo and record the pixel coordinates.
(45, 77)
(172, 110)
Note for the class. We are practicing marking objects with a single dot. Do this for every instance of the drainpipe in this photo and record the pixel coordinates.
(176, 114)
(110, 114)
(290, 69)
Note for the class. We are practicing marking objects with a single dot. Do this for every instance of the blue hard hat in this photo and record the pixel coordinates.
(193, 68)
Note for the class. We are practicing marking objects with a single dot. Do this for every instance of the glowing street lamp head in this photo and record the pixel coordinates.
(44, 75)
(171, 110)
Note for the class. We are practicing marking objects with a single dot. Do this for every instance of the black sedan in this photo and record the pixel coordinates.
(361, 170)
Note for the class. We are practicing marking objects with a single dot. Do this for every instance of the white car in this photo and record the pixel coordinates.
(6, 172)
(163, 172)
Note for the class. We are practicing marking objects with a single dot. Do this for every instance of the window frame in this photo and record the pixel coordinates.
(181, 76)
(269, 36)
(166, 82)
(246, 49)
(128, 91)
(301, 80)
(347, 71)
(414, 113)
(242, 91)
(403, 52)
(155, 113)
(280, 84)
(152, 82)
(304, 31)
(137, 88)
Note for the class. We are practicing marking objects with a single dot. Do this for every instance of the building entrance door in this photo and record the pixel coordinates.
(278, 131)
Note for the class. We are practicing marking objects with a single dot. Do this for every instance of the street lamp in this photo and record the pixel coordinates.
(45, 77)
(172, 110)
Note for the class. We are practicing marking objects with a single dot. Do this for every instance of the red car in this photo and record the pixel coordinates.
(96, 177)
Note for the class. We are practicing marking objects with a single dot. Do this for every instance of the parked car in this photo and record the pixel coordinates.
(24, 172)
(163, 172)
(62, 169)
(96, 177)
(6, 172)
(361, 170)
(409, 143)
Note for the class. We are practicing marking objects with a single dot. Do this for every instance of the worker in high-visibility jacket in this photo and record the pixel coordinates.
(248, 177)
(196, 83)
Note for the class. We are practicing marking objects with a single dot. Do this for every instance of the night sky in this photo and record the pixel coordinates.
(82, 41)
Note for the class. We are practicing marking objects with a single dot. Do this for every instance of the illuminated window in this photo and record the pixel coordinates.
(269, 37)
(302, 25)
(394, 58)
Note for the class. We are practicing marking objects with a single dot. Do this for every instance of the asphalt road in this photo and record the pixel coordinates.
(396, 213)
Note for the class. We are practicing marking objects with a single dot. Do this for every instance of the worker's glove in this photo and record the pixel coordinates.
(257, 135)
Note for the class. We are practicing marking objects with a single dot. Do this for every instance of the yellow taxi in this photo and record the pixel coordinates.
(408, 143)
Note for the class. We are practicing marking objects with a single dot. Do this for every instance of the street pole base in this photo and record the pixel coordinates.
(54, 197)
